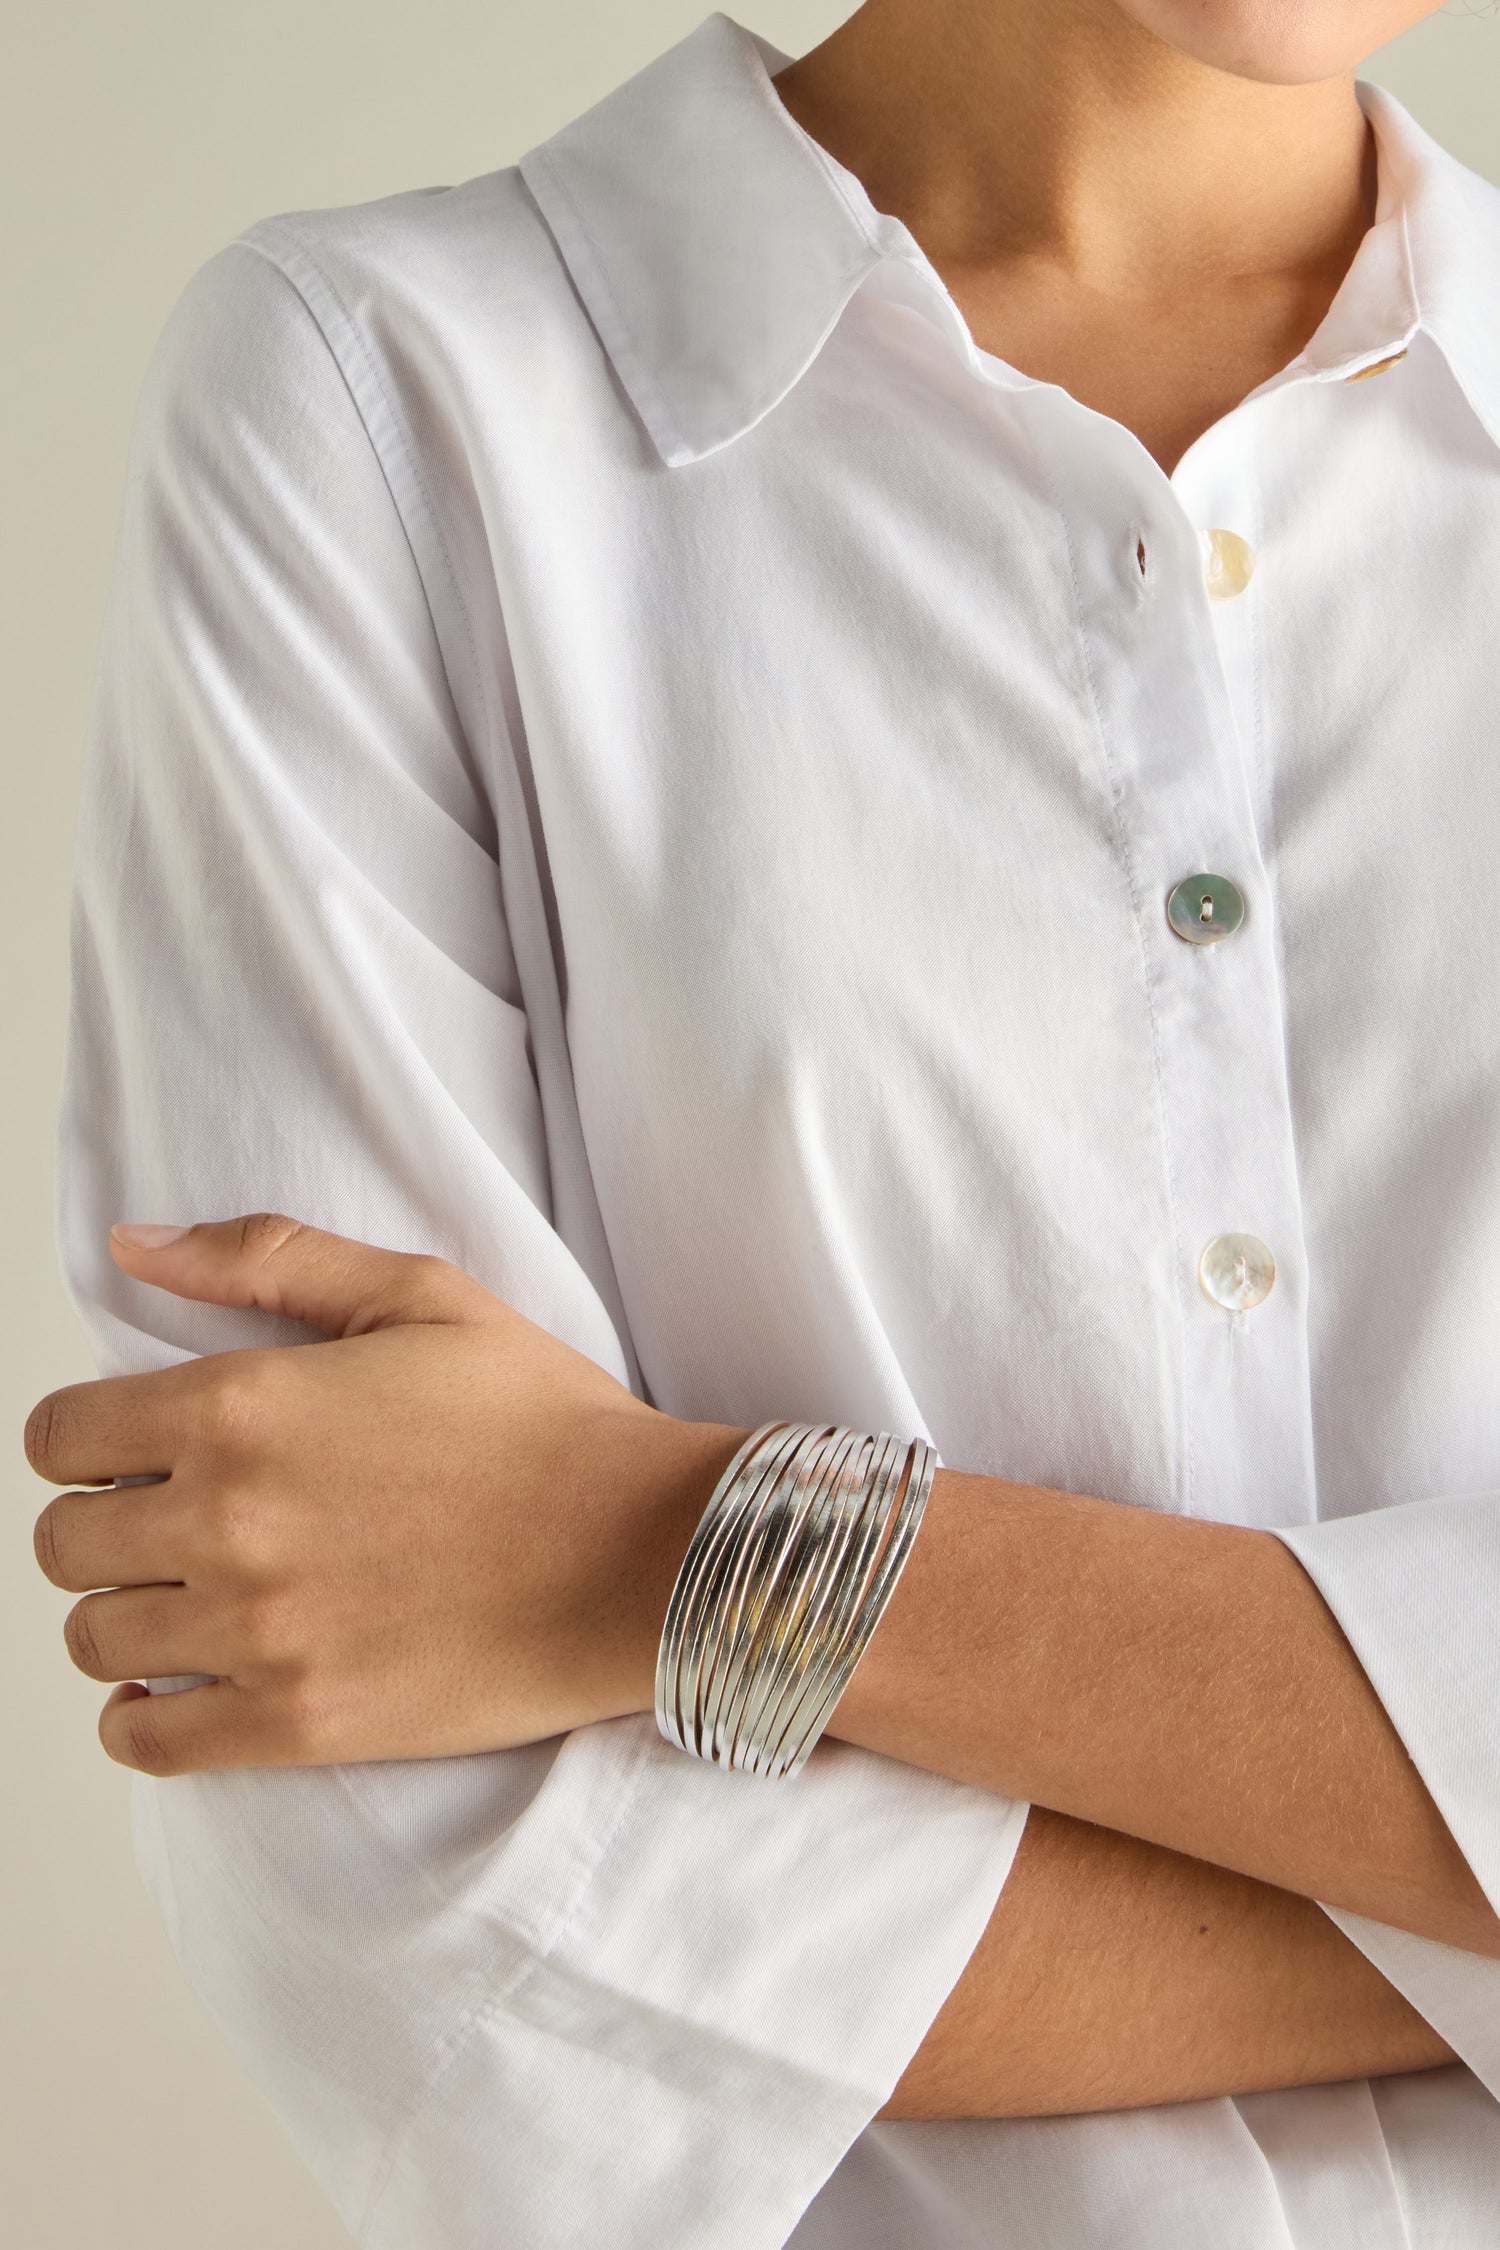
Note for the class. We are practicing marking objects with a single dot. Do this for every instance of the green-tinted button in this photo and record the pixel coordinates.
(1205, 908)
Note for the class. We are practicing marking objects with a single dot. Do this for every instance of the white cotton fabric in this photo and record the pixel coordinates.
(629, 754)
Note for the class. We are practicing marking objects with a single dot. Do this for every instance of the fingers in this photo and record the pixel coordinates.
(131, 1538)
(127, 1425)
(302, 1273)
(147, 1632)
(202, 1730)
(122, 1425)
(220, 1406)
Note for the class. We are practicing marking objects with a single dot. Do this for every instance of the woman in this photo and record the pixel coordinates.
(821, 756)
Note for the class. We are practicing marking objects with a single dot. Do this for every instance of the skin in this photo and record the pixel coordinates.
(443, 1530)
(1114, 1974)
(1153, 204)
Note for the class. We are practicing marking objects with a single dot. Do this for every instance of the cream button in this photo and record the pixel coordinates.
(1376, 366)
(1205, 908)
(1237, 1271)
(1228, 562)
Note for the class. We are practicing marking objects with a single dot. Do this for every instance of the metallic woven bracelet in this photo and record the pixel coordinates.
(785, 1581)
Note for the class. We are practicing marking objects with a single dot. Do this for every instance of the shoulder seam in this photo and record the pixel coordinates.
(372, 400)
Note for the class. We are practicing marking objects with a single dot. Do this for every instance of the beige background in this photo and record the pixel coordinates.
(141, 138)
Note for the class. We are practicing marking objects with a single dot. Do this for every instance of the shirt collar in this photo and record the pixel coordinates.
(714, 245)
(1449, 218)
(712, 250)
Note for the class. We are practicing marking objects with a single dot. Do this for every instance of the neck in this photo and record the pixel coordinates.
(1063, 134)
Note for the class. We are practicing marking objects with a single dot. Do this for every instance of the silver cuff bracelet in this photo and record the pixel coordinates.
(785, 1581)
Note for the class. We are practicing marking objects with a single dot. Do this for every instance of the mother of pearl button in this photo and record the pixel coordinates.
(1228, 561)
(1237, 1271)
(1377, 366)
(1205, 908)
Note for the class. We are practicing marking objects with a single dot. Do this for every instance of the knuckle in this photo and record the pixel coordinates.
(439, 1286)
(45, 1426)
(233, 1395)
(44, 1540)
(265, 1234)
(80, 1632)
(431, 1270)
(305, 1722)
(238, 1535)
(262, 1627)
(141, 1743)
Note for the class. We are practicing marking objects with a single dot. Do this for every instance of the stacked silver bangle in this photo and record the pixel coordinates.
(796, 1556)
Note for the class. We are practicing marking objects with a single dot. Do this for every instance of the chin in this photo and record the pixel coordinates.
(1282, 42)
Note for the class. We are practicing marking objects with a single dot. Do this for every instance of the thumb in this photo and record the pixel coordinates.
(332, 1282)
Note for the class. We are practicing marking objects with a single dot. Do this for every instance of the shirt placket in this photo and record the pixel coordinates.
(1174, 696)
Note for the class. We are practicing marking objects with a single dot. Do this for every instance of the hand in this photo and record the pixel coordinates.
(445, 1531)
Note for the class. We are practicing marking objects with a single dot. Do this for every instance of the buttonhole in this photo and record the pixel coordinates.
(1143, 577)
(1205, 908)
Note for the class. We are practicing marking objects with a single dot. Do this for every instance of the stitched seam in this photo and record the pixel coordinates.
(824, 162)
(503, 757)
(623, 348)
(1257, 710)
(809, 151)
(1270, 862)
(1410, 263)
(640, 378)
(1267, 2170)
(398, 432)
(465, 2034)
(1372, 2092)
(1117, 804)
(814, 150)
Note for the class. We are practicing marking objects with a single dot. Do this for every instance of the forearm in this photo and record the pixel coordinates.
(1114, 1974)
(1176, 1680)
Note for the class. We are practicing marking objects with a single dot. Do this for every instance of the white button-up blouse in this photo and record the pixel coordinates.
(630, 754)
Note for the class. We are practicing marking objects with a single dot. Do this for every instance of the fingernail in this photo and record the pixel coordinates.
(147, 1237)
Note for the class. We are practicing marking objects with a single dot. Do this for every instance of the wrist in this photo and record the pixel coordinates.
(674, 1466)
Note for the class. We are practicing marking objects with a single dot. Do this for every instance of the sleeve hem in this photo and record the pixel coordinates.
(1458, 1993)
(725, 2074)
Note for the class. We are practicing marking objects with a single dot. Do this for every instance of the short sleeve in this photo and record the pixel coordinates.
(589, 1991)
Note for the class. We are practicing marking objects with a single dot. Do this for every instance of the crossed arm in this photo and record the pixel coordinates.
(334, 1544)
(1177, 1693)
(1182, 1685)
(1115, 1974)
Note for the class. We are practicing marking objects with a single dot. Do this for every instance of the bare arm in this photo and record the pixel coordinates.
(1179, 1681)
(1175, 1680)
(1115, 1974)
(1179, 1685)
